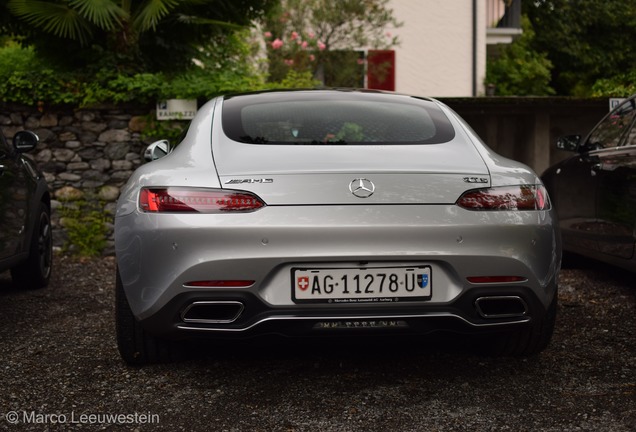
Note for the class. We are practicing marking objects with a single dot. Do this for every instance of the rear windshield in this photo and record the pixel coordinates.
(334, 118)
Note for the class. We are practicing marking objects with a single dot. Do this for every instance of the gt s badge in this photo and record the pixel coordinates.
(251, 180)
(476, 179)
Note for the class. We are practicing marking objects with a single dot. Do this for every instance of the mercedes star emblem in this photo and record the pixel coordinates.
(362, 188)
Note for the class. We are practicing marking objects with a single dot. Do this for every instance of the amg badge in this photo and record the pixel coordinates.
(241, 181)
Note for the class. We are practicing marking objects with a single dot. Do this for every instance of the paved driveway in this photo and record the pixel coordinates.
(59, 369)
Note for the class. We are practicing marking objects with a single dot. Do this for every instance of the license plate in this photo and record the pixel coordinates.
(361, 285)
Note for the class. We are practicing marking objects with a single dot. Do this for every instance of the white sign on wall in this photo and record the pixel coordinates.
(614, 102)
(176, 109)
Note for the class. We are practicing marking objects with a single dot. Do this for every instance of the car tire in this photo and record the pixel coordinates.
(528, 342)
(35, 271)
(136, 346)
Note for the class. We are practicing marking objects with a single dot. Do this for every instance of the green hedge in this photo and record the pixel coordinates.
(26, 79)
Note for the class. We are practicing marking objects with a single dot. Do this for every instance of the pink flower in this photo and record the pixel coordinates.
(312, 57)
(388, 34)
(311, 35)
(267, 34)
(289, 62)
(277, 43)
(294, 35)
(360, 61)
(321, 46)
(304, 44)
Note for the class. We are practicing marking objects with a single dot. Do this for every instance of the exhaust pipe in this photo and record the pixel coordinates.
(212, 312)
(501, 307)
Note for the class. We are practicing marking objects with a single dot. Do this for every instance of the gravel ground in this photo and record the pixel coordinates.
(60, 370)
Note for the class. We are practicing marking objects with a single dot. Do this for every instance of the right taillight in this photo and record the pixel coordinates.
(197, 200)
(522, 197)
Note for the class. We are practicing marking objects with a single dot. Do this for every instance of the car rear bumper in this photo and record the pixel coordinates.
(158, 254)
(256, 318)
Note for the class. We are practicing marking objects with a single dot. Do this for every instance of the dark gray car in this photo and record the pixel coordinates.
(25, 227)
(594, 191)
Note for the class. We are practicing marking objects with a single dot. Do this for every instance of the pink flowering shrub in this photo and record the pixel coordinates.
(294, 50)
(277, 43)
(324, 38)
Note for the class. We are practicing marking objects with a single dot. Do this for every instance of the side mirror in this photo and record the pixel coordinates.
(25, 141)
(569, 142)
(157, 150)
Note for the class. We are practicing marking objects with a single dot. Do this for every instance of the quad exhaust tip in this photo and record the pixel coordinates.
(492, 307)
(212, 312)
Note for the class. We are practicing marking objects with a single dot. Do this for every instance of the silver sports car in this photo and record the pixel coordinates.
(332, 213)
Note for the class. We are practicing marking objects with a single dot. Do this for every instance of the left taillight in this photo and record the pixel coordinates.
(197, 200)
(522, 197)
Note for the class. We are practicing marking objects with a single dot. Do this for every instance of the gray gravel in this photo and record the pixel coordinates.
(60, 370)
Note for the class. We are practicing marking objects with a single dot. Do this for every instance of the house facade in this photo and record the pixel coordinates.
(443, 45)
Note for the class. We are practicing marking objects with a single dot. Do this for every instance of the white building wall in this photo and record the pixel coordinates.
(435, 55)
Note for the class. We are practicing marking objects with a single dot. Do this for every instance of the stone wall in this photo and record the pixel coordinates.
(87, 153)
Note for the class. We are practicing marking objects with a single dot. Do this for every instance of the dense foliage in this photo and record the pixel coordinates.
(127, 35)
(590, 43)
(622, 85)
(224, 67)
(26, 78)
(73, 56)
(89, 52)
(518, 70)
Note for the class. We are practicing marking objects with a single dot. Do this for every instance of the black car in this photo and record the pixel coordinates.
(594, 191)
(25, 208)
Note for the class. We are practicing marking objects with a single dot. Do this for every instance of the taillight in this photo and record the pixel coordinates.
(523, 197)
(196, 200)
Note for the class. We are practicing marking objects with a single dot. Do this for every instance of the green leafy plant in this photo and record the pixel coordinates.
(295, 79)
(622, 85)
(170, 130)
(85, 223)
(25, 78)
(519, 70)
(108, 86)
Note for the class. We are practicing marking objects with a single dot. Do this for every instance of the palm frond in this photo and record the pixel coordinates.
(188, 19)
(151, 12)
(105, 14)
(56, 18)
